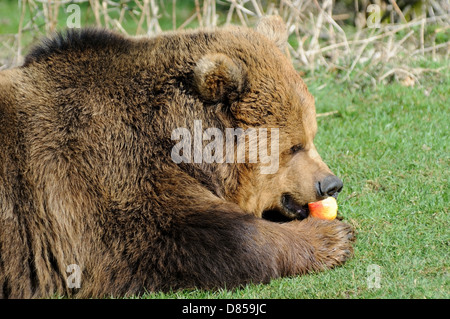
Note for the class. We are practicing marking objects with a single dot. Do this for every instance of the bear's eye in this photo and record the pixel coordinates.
(296, 148)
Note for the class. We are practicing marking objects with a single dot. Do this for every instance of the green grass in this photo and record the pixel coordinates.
(390, 146)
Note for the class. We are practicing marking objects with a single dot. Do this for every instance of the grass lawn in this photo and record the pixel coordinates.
(390, 146)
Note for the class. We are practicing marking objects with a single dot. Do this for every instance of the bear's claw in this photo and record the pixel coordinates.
(332, 242)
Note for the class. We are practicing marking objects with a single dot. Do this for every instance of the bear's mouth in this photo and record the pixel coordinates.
(290, 209)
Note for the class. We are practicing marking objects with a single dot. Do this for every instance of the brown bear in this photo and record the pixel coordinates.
(96, 199)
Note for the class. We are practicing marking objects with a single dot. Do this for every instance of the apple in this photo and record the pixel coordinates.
(324, 209)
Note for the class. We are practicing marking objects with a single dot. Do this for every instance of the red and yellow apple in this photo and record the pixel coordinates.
(324, 209)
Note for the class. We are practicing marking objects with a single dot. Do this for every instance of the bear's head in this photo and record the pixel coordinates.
(265, 97)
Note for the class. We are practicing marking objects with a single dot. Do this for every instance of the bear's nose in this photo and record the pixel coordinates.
(329, 186)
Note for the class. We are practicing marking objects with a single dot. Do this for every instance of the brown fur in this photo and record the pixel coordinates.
(86, 176)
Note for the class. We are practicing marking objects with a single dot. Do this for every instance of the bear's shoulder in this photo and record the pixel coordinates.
(76, 40)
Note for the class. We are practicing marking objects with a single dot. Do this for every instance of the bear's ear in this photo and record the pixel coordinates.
(274, 28)
(217, 77)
